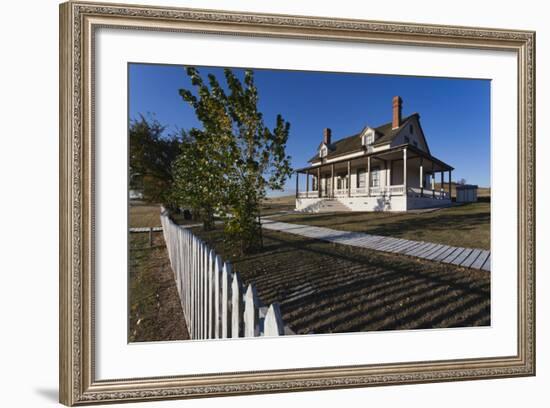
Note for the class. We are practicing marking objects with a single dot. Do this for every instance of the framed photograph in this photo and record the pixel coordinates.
(256, 203)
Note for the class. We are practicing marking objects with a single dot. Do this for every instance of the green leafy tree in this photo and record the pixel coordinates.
(198, 174)
(245, 156)
(151, 157)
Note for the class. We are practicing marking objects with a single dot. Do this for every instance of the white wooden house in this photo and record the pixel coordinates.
(384, 168)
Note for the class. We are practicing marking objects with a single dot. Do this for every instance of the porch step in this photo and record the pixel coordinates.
(332, 205)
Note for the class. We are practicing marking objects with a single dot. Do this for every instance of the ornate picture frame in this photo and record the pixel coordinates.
(78, 24)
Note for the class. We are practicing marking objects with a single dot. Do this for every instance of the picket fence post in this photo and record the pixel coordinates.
(251, 313)
(194, 287)
(273, 322)
(186, 278)
(205, 292)
(199, 290)
(211, 268)
(191, 288)
(226, 296)
(236, 306)
(217, 305)
(178, 270)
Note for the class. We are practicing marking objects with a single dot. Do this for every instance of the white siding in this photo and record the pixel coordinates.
(392, 204)
(414, 136)
(395, 203)
(346, 156)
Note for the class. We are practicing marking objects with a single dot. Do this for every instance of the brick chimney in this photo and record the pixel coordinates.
(397, 103)
(327, 133)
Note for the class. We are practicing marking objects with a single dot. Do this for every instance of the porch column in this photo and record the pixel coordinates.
(368, 176)
(442, 183)
(450, 184)
(349, 178)
(297, 174)
(405, 170)
(307, 183)
(390, 167)
(319, 181)
(421, 177)
(332, 180)
(433, 181)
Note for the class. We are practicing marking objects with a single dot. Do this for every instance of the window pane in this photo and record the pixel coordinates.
(361, 178)
(375, 177)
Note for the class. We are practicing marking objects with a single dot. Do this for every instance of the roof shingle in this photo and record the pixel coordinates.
(352, 143)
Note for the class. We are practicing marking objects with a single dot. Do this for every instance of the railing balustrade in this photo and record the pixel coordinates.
(427, 193)
(308, 194)
(394, 190)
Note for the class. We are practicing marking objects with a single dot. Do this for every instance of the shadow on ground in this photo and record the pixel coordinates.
(331, 288)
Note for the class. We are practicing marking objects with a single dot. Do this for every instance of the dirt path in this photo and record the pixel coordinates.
(155, 309)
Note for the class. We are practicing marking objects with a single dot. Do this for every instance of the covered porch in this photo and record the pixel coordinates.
(400, 171)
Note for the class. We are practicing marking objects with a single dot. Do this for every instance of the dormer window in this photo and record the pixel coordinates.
(323, 151)
(368, 138)
(407, 140)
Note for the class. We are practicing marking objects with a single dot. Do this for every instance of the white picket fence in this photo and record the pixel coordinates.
(214, 302)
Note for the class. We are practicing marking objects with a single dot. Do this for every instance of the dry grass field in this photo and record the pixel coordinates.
(273, 205)
(467, 225)
(143, 215)
(331, 288)
(148, 215)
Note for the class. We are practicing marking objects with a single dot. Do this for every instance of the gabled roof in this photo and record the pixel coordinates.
(385, 134)
(389, 133)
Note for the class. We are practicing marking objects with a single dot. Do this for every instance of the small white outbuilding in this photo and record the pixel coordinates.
(466, 193)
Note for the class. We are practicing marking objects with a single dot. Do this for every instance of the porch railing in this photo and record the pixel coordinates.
(308, 194)
(396, 190)
(378, 191)
(341, 192)
(418, 192)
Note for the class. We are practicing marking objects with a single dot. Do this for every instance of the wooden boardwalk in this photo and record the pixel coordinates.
(465, 257)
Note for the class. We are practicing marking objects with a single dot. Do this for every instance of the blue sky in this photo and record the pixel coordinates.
(454, 113)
